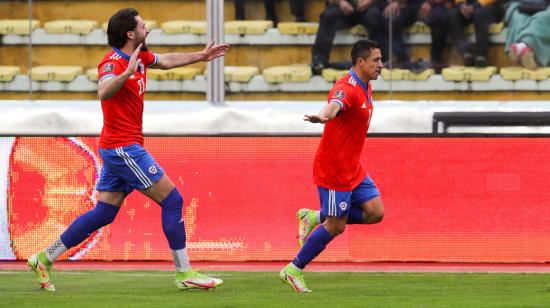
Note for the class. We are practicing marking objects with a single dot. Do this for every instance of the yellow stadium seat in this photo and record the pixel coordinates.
(184, 73)
(295, 28)
(17, 26)
(55, 73)
(83, 27)
(513, 73)
(418, 27)
(240, 73)
(290, 73)
(149, 25)
(358, 30)
(91, 73)
(424, 75)
(539, 74)
(394, 74)
(184, 27)
(8, 73)
(157, 74)
(331, 75)
(453, 73)
(496, 28)
(242, 27)
(480, 73)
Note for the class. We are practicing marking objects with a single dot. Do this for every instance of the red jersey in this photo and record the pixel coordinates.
(337, 164)
(123, 112)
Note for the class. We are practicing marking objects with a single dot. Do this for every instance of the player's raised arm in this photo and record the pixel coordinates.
(108, 87)
(326, 114)
(177, 59)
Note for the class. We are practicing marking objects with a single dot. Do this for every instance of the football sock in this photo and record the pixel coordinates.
(55, 250)
(181, 260)
(172, 221)
(313, 246)
(102, 214)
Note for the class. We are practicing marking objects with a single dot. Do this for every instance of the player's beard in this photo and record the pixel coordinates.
(144, 46)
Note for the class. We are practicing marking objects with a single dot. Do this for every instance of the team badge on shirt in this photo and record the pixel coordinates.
(108, 67)
(339, 94)
(153, 169)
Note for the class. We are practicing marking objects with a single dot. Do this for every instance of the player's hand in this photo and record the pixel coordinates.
(213, 51)
(345, 7)
(363, 5)
(135, 61)
(315, 118)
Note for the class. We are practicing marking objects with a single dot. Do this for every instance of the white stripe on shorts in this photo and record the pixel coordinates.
(135, 168)
(331, 203)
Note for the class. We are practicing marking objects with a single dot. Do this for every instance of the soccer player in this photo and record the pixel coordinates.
(347, 193)
(126, 164)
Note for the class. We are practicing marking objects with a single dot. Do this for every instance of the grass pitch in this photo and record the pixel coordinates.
(263, 289)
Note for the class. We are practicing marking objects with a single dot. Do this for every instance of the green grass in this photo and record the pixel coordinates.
(261, 289)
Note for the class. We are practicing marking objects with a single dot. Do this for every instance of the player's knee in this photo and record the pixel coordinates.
(174, 200)
(335, 227)
(104, 213)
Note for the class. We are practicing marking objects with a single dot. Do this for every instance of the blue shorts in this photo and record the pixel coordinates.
(337, 203)
(128, 168)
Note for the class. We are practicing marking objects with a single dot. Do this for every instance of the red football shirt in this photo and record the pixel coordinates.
(337, 163)
(123, 112)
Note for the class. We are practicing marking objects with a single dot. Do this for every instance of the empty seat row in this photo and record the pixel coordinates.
(241, 27)
(285, 74)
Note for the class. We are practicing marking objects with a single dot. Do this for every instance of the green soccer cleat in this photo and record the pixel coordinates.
(40, 265)
(294, 278)
(306, 222)
(195, 280)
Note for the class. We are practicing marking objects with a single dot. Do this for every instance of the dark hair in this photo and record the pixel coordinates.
(362, 49)
(119, 24)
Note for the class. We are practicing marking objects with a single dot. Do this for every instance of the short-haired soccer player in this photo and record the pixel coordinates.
(347, 193)
(126, 164)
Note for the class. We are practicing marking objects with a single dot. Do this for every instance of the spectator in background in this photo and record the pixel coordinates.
(340, 15)
(434, 13)
(528, 37)
(297, 9)
(270, 12)
(482, 13)
(399, 15)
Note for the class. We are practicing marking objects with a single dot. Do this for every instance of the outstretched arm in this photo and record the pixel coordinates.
(326, 114)
(177, 59)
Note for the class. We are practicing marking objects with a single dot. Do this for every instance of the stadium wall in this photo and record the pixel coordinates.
(447, 199)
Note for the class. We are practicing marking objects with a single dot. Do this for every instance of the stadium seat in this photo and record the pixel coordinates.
(180, 73)
(290, 73)
(83, 27)
(91, 73)
(331, 75)
(453, 73)
(17, 26)
(394, 74)
(242, 27)
(184, 27)
(55, 73)
(295, 28)
(493, 28)
(358, 30)
(8, 73)
(418, 27)
(424, 75)
(240, 73)
(517, 73)
(513, 73)
(149, 25)
(480, 73)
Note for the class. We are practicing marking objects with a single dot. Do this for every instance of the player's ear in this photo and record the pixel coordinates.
(131, 35)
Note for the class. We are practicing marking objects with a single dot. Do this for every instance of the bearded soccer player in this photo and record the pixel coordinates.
(126, 164)
(347, 193)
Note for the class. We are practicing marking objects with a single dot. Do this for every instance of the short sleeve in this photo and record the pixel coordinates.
(341, 95)
(108, 69)
(148, 58)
